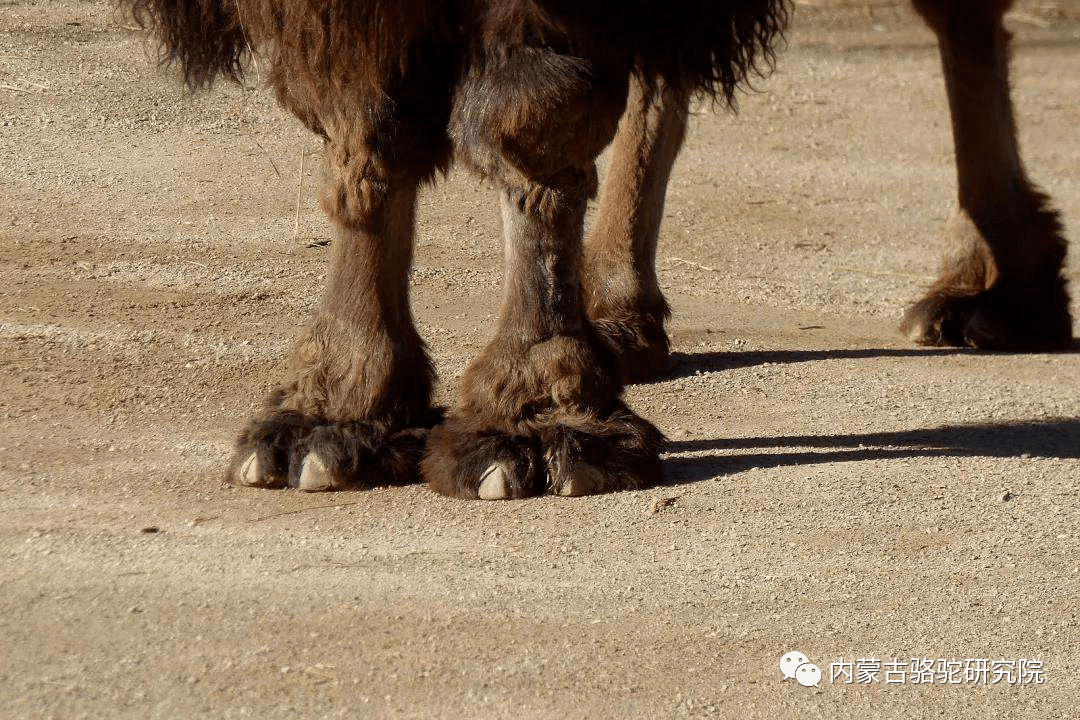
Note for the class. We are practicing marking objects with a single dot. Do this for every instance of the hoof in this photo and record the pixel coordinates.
(991, 320)
(315, 455)
(583, 456)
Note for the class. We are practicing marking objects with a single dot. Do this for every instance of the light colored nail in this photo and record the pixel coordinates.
(249, 471)
(314, 477)
(493, 483)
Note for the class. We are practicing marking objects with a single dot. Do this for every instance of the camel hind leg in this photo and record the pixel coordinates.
(1003, 288)
(622, 295)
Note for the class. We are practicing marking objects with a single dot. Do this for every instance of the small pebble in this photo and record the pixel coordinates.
(662, 503)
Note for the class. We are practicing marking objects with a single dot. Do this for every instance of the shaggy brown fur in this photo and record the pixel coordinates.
(1003, 288)
(528, 92)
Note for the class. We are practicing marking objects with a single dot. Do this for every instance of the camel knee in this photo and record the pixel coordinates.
(519, 121)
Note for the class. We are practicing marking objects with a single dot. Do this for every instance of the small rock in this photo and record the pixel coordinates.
(1006, 496)
(150, 530)
(662, 503)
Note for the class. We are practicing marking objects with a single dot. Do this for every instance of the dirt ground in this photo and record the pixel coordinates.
(832, 489)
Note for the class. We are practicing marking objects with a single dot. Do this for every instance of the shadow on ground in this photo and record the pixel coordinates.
(1054, 438)
(686, 364)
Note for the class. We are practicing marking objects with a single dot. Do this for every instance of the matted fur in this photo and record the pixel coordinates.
(693, 45)
(350, 45)
(344, 41)
(203, 36)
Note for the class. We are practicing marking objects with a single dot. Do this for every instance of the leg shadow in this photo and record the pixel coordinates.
(1054, 438)
(686, 364)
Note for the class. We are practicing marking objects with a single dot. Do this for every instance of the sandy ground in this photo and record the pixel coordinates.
(832, 490)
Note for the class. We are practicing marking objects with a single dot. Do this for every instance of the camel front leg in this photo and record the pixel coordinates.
(622, 295)
(540, 409)
(356, 403)
(1002, 288)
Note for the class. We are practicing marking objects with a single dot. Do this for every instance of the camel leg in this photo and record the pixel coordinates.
(1003, 288)
(354, 409)
(539, 408)
(622, 295)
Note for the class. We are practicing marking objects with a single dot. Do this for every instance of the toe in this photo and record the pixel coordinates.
(252, 473)
(579, 479)
(494, 483)
(314, 476)
(249, 471)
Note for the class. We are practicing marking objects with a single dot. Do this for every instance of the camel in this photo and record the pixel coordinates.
(527, 93)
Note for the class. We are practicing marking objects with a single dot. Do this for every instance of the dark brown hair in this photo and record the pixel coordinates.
(695, 45)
